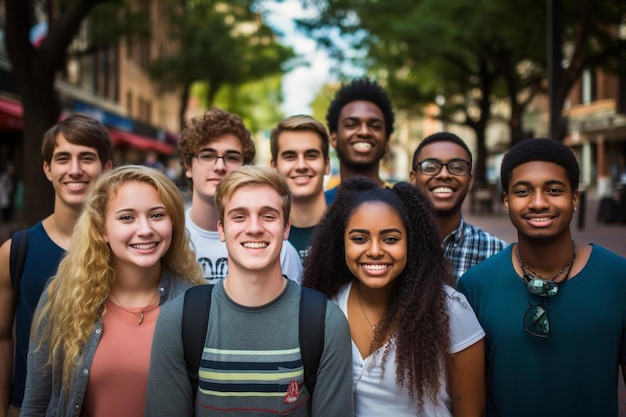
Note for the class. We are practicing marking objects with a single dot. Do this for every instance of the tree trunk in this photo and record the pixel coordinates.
(43, 112)
(480, 126)
(34, 71)
(184, 101)
(515, 123)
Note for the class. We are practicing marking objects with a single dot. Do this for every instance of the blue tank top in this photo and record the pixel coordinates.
(42, 259)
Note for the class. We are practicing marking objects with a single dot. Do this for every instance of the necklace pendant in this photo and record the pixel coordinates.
(140, 318)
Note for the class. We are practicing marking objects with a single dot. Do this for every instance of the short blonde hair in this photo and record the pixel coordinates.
(252, 175)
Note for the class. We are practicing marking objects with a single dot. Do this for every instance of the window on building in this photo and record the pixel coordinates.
(588, 90)
(129, 102)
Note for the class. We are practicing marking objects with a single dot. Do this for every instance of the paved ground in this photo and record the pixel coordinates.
(611, 236)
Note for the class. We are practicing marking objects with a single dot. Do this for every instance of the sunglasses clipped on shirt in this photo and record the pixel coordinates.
(536, 320)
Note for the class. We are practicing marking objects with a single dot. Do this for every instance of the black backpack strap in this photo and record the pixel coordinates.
(19, 247)
(196, 308)
(312, 328)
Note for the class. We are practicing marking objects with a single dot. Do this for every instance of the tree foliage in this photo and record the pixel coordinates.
(469, 52)
(34, 72)
(221, 44)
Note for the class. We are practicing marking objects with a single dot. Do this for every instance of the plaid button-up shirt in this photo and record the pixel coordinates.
(468, 245)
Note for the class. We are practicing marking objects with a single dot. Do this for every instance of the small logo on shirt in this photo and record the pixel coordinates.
(293, 393)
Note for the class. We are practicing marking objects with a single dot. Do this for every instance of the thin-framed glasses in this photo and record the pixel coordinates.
(230, 159)
(431, 167)
(536, 320)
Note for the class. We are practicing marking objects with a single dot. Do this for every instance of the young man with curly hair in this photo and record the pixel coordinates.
(210, 147)
(360, 121)
(553, 309)
(76, 151)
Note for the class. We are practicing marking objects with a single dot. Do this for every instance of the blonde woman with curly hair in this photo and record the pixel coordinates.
(92, 332)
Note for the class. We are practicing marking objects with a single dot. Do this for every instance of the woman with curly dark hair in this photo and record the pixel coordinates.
(417, 346)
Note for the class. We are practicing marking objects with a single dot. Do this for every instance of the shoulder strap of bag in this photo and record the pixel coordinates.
(312, 328)
(312, 321)
(17, 254)
(196, 308)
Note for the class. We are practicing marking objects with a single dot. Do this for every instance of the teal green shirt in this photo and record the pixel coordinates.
(300, 238)
(574, 372)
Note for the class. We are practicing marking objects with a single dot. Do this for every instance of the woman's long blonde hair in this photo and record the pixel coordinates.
(83, 281)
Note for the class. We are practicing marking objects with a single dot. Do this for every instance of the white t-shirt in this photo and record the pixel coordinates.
(375, 397)
(212, 255)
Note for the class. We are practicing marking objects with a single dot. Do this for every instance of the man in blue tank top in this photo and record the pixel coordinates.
(75, 152)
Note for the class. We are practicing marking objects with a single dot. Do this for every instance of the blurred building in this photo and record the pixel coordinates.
(596, 119)
(109, 82)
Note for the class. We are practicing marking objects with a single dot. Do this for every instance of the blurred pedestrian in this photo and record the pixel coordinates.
(417, 346)
(92, 332)
(76, 151)
(152, 161)
(7, 191)
(553, 309)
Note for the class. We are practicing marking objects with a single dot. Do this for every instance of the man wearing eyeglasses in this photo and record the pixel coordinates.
(210, 147)
(442, 165)
(554, 310)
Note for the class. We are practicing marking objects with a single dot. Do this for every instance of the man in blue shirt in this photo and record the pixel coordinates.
(75, 152)
(360, 121)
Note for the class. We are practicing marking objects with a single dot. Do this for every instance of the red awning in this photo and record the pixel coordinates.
(10, 114)
(121, 138)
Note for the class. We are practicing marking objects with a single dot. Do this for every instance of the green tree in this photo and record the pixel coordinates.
(35, 70)
(469, 52)
(221, 44)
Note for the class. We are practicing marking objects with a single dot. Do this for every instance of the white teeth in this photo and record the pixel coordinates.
(363, 146)
(375, 267)
(75, 184)
(144, 246)
(540, 219)
(442, 190)
(255, 245)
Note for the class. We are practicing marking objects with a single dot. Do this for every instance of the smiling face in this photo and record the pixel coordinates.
(375, 242)
(137, 227)
(540, 201)
(301, 162)
(446, 191)
(360, 140)
(254, 230)
(72, 171)
(206, 175)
